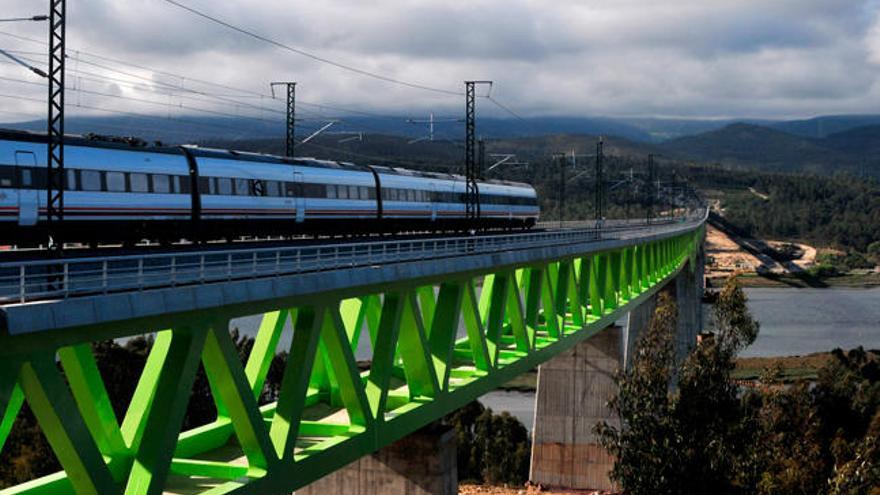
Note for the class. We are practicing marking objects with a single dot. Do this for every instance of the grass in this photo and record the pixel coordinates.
(793, 368)
(851, 280)
(526, 382)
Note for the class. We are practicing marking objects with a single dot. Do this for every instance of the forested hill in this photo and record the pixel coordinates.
(752, 146)
(789, 146)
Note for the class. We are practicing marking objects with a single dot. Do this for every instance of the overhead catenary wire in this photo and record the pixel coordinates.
(266, 39)
(312, 56)
(172, 90)
(37, 18)
(504, 107)
(252, 93)
(18, 61)
(227, 98)
(131, 114)
(146, 101)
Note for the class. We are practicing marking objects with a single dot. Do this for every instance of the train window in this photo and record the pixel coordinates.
(90, 180)
(115, 181)
(139, 183)
(258, 187)
(353, 192)
(161, 184)
(7, 175)
(241, 187)
(272, 188)
(391, 194)
(410, 195)
(331, 191)
(224, 186)
(342, 192)
(365, 192)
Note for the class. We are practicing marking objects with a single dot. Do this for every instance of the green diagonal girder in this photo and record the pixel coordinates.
(329, 412)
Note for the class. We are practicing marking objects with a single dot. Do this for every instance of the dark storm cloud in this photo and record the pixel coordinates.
(627, 57)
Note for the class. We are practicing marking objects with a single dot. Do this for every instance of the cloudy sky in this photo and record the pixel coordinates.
(681, 58)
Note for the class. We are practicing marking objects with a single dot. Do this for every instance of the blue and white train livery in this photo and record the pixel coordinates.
(118, 192)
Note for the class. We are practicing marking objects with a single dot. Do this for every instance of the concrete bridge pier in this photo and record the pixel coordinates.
(574, 389)
(689, 286)
(572, 395)
(637, 322)
(422, 463)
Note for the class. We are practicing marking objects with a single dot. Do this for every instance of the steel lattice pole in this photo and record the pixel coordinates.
(600, 184)
(291, 118)
(55, 128)
(471, 201)
(649, 210)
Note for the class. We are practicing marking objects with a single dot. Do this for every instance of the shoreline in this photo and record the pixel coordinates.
(801, 281)
(790, 369)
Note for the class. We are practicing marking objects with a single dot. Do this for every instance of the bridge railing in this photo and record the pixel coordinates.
(27, 281)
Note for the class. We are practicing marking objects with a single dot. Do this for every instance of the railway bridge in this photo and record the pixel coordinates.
(446, 320)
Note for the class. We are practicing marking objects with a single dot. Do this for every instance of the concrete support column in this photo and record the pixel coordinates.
(689, 286)
(572, 396)
(637, 321)
(423, 463)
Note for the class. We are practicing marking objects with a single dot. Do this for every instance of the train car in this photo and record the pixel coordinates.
(119, 192)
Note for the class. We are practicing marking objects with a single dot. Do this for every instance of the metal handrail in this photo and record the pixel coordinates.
(26, 281)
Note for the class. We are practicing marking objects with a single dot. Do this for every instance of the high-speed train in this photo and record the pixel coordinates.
(116, 192)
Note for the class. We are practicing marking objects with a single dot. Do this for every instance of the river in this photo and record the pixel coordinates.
(793, 322)
(803, 321)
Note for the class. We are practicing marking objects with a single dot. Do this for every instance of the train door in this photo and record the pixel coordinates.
(28, 194)
(299, 199)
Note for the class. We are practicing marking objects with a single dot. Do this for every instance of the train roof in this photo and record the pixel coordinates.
(133, 143)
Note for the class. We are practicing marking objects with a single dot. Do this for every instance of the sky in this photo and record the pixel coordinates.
(623, 58)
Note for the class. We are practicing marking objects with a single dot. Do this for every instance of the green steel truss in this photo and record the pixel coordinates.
(329, 412)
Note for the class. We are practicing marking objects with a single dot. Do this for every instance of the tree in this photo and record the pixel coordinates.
(492, 448)
(647, 445)
(690, 439)
(874, 252)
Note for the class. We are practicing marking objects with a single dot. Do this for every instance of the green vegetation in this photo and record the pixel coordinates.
(709, 436)
(492, 448)
(759, 147)
(837, 212)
